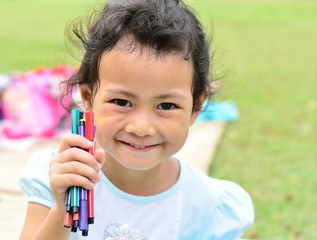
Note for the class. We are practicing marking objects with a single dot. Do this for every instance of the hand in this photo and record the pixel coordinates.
(74, 166)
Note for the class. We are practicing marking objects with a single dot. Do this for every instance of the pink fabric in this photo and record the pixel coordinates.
(31, 103)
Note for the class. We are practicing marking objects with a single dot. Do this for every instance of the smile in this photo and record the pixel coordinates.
(137, 147)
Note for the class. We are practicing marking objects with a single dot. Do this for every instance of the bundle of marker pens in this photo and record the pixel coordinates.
(79, 201)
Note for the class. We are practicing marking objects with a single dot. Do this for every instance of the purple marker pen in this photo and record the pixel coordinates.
(83, 208)
(82, 128)
(83, 211)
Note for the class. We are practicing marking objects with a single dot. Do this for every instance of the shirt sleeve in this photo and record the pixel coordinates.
(233, 214)
(34, 179)
(212, 208)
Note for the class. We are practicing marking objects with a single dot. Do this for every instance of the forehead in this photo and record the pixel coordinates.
(129, 44)
(138, 62)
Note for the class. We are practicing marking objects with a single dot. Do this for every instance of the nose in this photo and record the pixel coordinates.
(140, 124)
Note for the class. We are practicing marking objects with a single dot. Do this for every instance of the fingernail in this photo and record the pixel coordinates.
(97, 179)
(88, 143)
(98, 166)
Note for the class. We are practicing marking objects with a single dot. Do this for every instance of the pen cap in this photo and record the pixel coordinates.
(81, 115)
(83, 218)
(89, 125)
(75, 115)
(81, 128)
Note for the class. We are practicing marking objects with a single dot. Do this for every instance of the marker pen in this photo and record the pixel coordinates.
(75, 222)
(68, 200)
(74, 229)
(90, 129)
(75, 115)
(68, 219)
(83, 209)
(82, 128)
(83, 219)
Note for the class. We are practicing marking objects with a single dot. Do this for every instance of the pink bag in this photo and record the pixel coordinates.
(31, 104)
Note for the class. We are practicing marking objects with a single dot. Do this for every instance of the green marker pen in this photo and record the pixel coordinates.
(75, 117)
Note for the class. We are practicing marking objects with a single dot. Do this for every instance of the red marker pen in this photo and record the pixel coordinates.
(90, 136)
(68, 220)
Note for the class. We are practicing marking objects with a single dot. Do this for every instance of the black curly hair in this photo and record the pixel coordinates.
(166, 26)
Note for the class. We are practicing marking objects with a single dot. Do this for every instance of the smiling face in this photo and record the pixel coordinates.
(143, 107)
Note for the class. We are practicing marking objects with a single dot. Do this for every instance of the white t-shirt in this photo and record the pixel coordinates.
(195, 207)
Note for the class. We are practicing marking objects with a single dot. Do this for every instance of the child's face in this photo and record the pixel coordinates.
(143, 108)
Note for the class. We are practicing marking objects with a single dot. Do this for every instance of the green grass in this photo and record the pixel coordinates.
(270, 47)
(267, 50)
(32, 33)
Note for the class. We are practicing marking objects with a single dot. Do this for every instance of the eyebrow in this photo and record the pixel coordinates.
(120, 91)
(131, 95)
(171, 95)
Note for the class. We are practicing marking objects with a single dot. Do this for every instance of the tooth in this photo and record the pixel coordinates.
(138, 147)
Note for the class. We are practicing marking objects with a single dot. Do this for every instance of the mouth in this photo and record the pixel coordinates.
(138, 147)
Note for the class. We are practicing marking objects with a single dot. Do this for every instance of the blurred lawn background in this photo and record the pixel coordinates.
(267, 52)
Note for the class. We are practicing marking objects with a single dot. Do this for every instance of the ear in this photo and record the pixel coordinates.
(86, 97)
(197, 108)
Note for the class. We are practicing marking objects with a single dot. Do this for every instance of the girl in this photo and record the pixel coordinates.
(144, 74)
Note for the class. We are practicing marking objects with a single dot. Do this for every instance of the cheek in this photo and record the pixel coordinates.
(176, 132)
(107, 120)
(102, 136)
(106, 127)
(182, 129)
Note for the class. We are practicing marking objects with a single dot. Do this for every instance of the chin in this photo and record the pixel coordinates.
(140, 167)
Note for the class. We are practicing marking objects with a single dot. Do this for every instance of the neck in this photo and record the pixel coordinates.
(143, 182)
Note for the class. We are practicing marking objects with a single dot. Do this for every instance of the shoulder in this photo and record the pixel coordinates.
(38, 164)
(34, 179)
(198, 184)
(220, 207)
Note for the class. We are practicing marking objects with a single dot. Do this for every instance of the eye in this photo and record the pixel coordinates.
(166, 106)
(121, 102)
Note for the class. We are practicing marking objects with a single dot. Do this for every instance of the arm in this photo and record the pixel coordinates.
(71, 166)
(42, 222)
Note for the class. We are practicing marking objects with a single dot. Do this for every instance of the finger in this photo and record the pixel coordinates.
(74, 140)
(74, 169)
(81, 169)
(77, 155)
(77, 180)
(61, 183)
